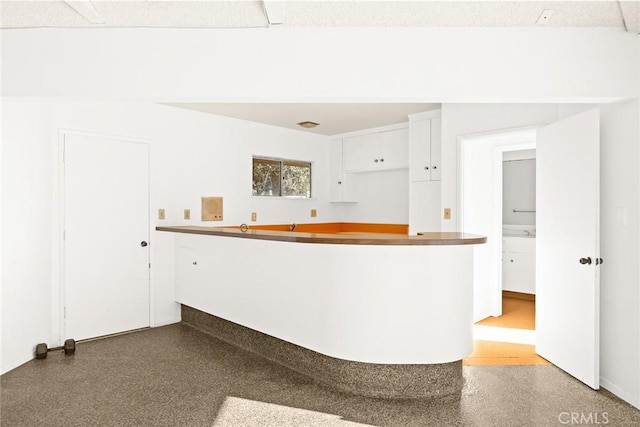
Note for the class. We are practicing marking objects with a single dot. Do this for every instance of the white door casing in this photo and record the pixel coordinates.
(567, 227)
(106, 219)
(481, 158)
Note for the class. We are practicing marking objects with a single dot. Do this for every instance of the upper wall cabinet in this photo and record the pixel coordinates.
(339, 185)
(425, 143)
(377, 151)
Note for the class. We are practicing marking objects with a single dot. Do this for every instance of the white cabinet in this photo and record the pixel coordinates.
(519, 264)
(339, 185)
(424, 172)
(189, 268)
(436, 144)
(425, 143)
(377, 151)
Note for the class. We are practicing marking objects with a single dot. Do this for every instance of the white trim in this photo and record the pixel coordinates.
(515, 139)
(17, 361)
(426, 115)
(610, 386)
(170, 321)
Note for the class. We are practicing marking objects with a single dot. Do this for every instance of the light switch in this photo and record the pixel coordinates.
(160, 213)
(447, 213)
(314, 213)
(254, 216)
(187, 214)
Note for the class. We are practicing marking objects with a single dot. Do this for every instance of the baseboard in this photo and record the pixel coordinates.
(6, 367)
(395, 381)
(165, 322)
(632, 400)
(519, 295)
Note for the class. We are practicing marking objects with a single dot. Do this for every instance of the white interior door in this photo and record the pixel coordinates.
(567, 247)
(106, 224)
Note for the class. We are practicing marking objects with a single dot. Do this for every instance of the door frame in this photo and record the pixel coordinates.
(515, 139)
(58, 295)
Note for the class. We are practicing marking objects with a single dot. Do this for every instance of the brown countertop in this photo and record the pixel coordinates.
(349, 238)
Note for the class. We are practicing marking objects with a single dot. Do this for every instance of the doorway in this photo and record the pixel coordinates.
(518, 241)
(504, 307)
(482, 159)
(105, 263)
(567, 237)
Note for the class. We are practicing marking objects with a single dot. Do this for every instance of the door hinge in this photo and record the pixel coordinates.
(64, 156)
(149, 265)
(64, 235)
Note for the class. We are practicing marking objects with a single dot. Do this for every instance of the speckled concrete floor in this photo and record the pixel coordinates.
(177, 376)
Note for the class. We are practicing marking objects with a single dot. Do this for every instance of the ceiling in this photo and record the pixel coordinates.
(249, 14)
(334, 118)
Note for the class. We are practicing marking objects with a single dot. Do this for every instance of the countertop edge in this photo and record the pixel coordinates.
(426, 239)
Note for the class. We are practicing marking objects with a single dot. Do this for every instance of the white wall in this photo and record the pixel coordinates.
(619, 221)
(476, 119)
(619, 246)
(26, 230)
(481, 191)
(519, 191)
(192, 155)
(382, 197)
(417, 64)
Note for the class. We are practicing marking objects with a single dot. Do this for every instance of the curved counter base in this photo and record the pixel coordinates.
(390, 319)
(396, 381)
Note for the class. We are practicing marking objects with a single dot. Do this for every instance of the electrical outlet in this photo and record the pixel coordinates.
(314, 213)
(447, 213)
(187, 214)
(254, 216)
(160, 213)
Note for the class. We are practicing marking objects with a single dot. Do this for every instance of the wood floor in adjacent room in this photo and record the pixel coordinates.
(518, 312)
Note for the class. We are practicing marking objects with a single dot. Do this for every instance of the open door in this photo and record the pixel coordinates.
(568, 245)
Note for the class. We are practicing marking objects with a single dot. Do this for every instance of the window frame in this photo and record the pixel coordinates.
(282, 162)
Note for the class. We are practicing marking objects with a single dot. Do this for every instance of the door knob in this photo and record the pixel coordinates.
(599, 261)
(586, 260)
(143, 244)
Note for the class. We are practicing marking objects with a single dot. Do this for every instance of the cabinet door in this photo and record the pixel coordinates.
(436, 143)
(393, 149)
(187, 272)
(361, 152)
(520, 272)
(420, 150)
(335, 174)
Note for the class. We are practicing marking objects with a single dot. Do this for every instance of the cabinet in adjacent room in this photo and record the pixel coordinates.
(519, 264)
(424, 147)
(424, 172)
(377, 151)
(339, 190)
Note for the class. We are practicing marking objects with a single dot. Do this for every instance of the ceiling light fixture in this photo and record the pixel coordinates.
(308, 125)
